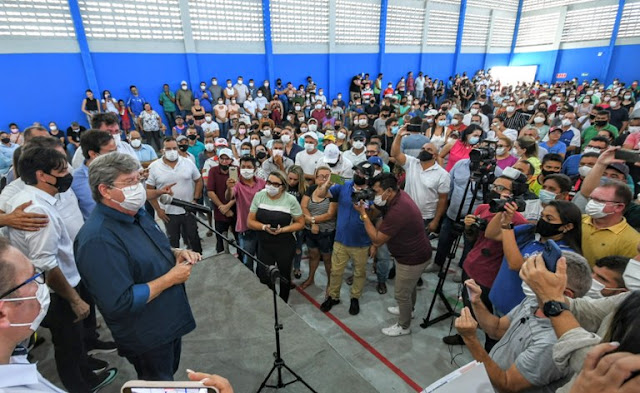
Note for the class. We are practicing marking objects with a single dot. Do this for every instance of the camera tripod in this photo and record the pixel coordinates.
(274, 276)
(476, 180)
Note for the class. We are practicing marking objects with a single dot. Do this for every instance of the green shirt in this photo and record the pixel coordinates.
(196, 149)
(165, 101)
(592, 132)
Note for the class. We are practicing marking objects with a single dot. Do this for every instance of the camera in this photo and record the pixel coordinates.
(497, 205)
(483, 160)
(480, 225)
(366, 194)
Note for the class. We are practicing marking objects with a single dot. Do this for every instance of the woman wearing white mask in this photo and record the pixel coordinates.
(275, 215)
(540, 122)
(438, 133)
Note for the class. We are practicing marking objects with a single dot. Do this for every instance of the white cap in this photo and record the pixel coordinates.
(310, 134)
(221, 142)
(331, 154)
(226, 152)
(183, 83)
(431, 112)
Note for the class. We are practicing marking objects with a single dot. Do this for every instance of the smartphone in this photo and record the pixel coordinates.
(337, 179)
(628, 155)
(233, 172)
(551, 254)
(165, 386)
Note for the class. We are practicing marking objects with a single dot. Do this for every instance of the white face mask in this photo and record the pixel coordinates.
(631, 275)
(303, 129)
(266, 133)
(510, 109)
(313, 127)
(297, 107)
(203, 87)
(309, 147)
(209, 147)
(591, 150)
(596, 209)
(595, 292)
(277, 152)
(271, 190)
(171, 155)
(358, 145)
(207, 118)
(530, 107)
(286, 138)
(634, 129)
(341, 135)
(454, 122)
(538, 120)
(378, 201)
(246, 173)
(363, 122)
(584, 170)
(318, 106)
(184, 87)
(242, 131)
(215, 83)
(136, 143)
(566, 122)
(255, 142)
(500, 151)
(134, 197)
(42, 296)
(53, 128)
(473, 111)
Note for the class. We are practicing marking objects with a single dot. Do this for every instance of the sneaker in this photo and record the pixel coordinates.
(105, 378)
(432, 268)
(97, 365)
(455, 339)
(354, 309)
(326, 306)
(381, 288)
(395, 331)
(395, 310)
(102, 347)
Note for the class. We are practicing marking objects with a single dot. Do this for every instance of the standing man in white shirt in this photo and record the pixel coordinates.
(242, 91)
(46, 175)
(310, 157)
(182, 172)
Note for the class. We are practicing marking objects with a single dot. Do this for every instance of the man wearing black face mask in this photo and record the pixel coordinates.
(47, 178)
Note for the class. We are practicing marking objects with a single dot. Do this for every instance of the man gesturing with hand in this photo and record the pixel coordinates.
(132, 272)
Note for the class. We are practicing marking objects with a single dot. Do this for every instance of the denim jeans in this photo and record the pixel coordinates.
(249, 242)
(298, 256)
(383, 260)
(224, 129)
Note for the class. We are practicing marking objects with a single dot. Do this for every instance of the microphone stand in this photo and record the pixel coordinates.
(273, 273)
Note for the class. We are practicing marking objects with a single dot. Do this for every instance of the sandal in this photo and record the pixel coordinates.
(297, 274)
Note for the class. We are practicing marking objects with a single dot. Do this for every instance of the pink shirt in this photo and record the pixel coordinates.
(244, 196)
(458, 152)
(633, 140)
(508, 161)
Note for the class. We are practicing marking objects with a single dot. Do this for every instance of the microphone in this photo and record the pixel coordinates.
(167, 199)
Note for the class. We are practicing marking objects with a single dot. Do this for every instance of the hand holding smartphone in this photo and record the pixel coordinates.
(162, 386)
(233, 173)
(551, 254)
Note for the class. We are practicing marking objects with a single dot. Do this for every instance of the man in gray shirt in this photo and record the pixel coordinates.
(243, 91)
(523, 358)
(184, 99)
(215, 89)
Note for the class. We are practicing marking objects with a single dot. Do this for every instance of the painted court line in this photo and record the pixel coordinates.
(365, 344)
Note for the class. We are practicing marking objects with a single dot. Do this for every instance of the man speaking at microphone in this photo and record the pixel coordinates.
(173, 169)
(132, 272)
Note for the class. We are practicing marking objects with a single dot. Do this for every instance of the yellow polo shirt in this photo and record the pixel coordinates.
(620, 239)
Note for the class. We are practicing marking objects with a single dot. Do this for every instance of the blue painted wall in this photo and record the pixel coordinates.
(44, 87)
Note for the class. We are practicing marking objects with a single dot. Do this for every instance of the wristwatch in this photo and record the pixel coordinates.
(554, 308)
(509, 226)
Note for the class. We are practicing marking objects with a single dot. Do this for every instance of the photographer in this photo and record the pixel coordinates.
(483, 260)
(351, 241)
(560, 221)
(402, 230)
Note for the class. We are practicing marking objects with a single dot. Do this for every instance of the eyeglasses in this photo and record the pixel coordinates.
(270, 183)
(38, 278)
(130, 183)
(603, 201)
(498, 188)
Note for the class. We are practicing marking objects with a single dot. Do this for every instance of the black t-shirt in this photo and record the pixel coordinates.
(75, 135)
(354, 88)
(618, 116)
(372, 110)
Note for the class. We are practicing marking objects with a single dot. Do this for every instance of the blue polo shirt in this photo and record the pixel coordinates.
(349, 227)
(506, 292)
(136, 103)
(82, 189)
(117, 255)
(145, 153)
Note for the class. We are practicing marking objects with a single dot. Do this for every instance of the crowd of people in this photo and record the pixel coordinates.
(375, 176)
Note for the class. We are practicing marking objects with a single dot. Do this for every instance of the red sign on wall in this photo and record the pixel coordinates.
(561, 75)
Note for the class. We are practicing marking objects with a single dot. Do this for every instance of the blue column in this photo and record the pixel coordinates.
(384, 4)
(516, 27)
(612, 42)
(461, 18)
(85, 54)
(268, 43)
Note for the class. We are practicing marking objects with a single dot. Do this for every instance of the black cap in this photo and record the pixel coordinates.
(358, 134)
(365, 167)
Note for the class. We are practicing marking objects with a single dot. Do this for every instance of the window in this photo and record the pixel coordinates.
(36, 18)
(502, 33)
(443, 28)
(132, 20)
(530, 5)
(404, 25)
(589, 24)
(357, 22)
(294, 21)
(503, 5)
(630, 23)
(226, 20)
(537, 29)
(476, 30)
(456, 2)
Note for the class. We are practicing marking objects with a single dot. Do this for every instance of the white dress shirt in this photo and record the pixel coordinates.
(20, 376)
(424, 186)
